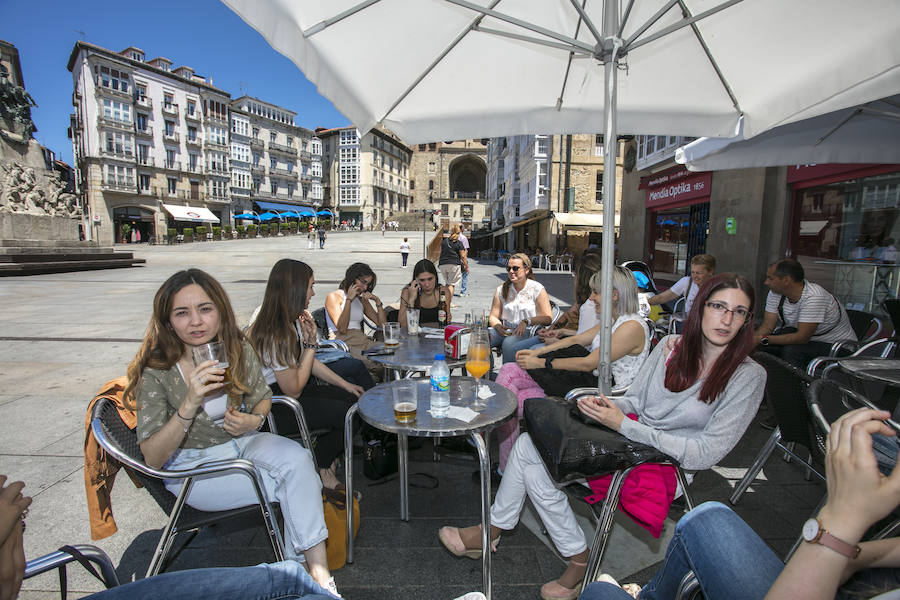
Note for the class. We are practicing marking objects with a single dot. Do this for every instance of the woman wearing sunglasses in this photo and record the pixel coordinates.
(519, 301)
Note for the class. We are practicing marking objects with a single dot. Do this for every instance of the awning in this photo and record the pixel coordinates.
(586, 219)
(196, 214)
(502, 231)
(531, 220)
(812, 227)
(303, 210)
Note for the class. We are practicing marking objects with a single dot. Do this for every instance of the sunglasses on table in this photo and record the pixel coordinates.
(719, 309)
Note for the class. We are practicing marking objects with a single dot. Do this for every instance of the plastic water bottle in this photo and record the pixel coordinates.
(440, 387)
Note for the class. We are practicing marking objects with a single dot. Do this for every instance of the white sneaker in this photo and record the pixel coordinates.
(472, 596)
(331, 587)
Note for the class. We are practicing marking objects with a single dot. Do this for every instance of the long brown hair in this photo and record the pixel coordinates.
(591, 262)
(526, 263)
(273, 333)
(162, 347)
(686, 362)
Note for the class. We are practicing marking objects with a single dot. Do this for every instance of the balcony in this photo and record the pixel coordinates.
(193, 141)
(306, 178)
(216, 169)
(216, 119)
(258, 169)
(144, 102)
(146, 161)
(218, 198)
(120, 154)
(111, 93)
(256, 143)
(273, 147)
(170, 109)
(216, 145)
(171, 137)
(240, 191)
(173, 165)
(145, 132)
(116, 123)
(278, 171)
(118, 184)
(305, 155)
(192, 116)
(195, 168)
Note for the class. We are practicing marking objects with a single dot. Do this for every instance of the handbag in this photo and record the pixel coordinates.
(558, 382)
(574, 447)
(334, 505)
(380, 456)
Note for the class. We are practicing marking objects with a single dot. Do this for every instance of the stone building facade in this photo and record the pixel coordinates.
(450, 177)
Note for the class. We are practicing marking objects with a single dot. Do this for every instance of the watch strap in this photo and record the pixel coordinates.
(851, 551)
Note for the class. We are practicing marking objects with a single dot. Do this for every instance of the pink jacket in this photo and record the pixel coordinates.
(646, 495)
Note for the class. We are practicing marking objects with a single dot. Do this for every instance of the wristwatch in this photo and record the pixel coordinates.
(527, 321)
(765, 340)
(815, 534)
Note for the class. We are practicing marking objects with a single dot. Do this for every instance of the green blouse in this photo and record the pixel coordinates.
(160, 393)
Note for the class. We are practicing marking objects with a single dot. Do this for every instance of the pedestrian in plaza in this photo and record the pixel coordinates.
(453, 259)
(187, 415)
(808, 319)
(311, 238)
(322, 236)
(464, 285)
(404, 250)
(383, 227)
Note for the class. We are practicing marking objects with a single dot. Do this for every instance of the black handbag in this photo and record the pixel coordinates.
(573, 446)
(558, 382)
(380, 456)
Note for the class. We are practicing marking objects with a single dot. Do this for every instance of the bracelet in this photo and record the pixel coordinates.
(262, 420)
(307, 346)
(189, 422)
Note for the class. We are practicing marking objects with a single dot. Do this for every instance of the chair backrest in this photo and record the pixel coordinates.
(892, 306)
(785, 389)
(318, 316)
(121, 442)
(865, 325)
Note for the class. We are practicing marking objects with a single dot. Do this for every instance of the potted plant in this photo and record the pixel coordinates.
(171, 234)
(251, 230)
(226, 232)
(188, 234)
(125, 230)
(217, 233)
(241, 230)
(201, 232)
(264, 229)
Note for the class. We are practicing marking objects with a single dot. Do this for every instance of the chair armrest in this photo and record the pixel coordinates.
(577, 393)
(93, 554)
(838, 346)
(336, 344)
(299, 416)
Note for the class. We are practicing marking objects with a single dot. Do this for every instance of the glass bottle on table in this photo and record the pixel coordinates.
(478, 361)
(442, 310)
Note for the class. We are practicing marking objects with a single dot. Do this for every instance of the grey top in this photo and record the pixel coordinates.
(376, 407)
(696, 434)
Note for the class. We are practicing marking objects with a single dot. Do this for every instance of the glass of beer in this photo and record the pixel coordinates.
(478, 361)
(405, 400)
(391, 335)
(412, 321)
(214, 351)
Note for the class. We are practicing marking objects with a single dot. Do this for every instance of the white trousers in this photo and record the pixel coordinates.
(310, 244)
(289, 476)
(525, 474)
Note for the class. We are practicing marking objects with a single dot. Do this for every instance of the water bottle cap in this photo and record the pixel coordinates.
(438, 357)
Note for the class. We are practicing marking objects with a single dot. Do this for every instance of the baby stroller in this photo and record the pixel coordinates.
(646, 289)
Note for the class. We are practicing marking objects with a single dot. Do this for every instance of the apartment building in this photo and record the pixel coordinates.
(365, 177)
(547, 190)
(150, 143)
(275, 164)
(449, 177)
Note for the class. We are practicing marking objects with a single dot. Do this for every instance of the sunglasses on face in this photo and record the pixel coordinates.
(513, 269)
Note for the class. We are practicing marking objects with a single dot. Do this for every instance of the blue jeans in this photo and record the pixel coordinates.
(528, 343)
(465, 283)
(726, 555)
(281, 580)
(507, 344)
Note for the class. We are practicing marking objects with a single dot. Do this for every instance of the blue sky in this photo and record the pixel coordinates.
(203, 34)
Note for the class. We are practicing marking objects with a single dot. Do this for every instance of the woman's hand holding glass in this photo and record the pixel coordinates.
(307, 327)
(601, 410)
(206, 378)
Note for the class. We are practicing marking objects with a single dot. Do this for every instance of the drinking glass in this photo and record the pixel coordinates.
(412, 321)
(391, 335)
(468, 320)
(214, 351)
(405, 400)
(478, 361)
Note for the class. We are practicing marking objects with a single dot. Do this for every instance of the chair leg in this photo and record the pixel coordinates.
(167, 536)
(604, 527)
(757, 465)
(688, 501)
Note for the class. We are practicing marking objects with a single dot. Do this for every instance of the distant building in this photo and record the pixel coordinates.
(366, 177)
(547, 191)
(275, 164)
(150, 143)
(450, 177)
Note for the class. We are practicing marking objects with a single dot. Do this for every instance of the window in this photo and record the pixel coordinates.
(255, 160)
(445, 210)
(349, 174)
(114, 79)
(193, 160)
(191, 108)
(118, 143)
(432, 146)
(140, 92)
(316, 169)
(144, 182)
(218, 188)
(170, 127)
(273, 187)
(240, 180)
(349, 155)
(273, 136)
(598, 193)
(172, 185)
(256, 133)
(192, 133)
(422, 147)
(290, 167)
(170, 158)
(168, 100)
(217, 135)
(141, 121)
(349, 137)
(290, 142)
(240, 152)
(349, 193)
(412, 184)
(273, 162)
(540, 145)
(117, 111)
(119, 175)
(431, 184)
(143, 154)
(315, 147)
(217, 162)
(432, 169)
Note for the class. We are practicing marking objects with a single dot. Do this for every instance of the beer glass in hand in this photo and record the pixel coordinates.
(478, 361)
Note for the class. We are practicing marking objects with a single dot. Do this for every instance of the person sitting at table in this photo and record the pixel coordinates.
(566, 364)
(703, 266)
(188, 415)
(424, 295)
(731, 561)
(693, 398)
(345, 307)
(294, 371)
(519, 301)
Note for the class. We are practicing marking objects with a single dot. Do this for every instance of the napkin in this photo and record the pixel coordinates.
(484, 392)
(460, 413)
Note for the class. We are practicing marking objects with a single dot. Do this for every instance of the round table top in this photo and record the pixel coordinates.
(882, 369)
(415, 353)
(376, 407)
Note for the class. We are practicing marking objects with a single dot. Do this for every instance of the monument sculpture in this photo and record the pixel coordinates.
(20, 193)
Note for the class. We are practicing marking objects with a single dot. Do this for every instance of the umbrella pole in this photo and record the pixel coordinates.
(611, 48)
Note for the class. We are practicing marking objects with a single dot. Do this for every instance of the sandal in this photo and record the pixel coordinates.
(554, 590)
(452, 541)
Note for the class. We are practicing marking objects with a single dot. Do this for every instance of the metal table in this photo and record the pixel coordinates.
(376, 408)
(884, 370)
(415, 354)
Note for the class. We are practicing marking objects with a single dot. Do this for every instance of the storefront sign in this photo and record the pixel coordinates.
(731, 226)
(676, 187)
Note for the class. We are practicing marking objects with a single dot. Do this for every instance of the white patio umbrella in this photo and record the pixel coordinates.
(869, 133)
(452, 69)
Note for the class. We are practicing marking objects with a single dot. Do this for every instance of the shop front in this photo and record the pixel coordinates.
(844, 230)
(133, 224)
(181, 217)
(677, 205)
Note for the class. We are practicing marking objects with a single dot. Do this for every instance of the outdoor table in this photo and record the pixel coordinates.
(884, 370)
(415, 354)
(376, 408)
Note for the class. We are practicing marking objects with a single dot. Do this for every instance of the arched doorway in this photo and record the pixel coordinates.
(467, 177)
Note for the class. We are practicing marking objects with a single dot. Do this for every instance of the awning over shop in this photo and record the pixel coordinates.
(303, 210)
(196, 214)
(531, 220)
(502, 231)
(585, 219)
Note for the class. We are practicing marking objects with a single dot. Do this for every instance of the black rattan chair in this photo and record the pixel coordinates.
(785, 389)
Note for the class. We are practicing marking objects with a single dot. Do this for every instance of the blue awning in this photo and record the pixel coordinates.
(281, 206)
(324, 213)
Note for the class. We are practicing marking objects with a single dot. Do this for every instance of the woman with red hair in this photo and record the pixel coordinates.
(693, 398)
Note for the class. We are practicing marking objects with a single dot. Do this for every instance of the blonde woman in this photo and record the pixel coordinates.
(454, 259)
(519, 301)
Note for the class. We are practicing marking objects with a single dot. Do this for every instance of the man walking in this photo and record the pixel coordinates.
(465, 266)
(810, 318)
(322, 236)
(404, 250)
